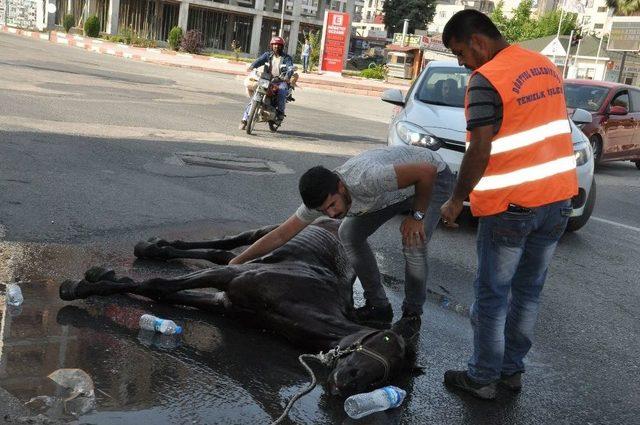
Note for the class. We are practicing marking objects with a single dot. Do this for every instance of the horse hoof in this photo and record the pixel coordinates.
(68, 290)
(97, 274)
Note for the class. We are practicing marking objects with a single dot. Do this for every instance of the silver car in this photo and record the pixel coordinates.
(432, 115)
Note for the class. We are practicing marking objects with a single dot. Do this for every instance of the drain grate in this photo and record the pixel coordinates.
(226, 162)
(210, 164)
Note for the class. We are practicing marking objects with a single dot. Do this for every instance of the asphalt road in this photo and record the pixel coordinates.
(92, 148)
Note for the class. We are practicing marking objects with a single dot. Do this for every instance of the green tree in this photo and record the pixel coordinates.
(624, 7)
(522, 26)
(498, 18)
(419, 13)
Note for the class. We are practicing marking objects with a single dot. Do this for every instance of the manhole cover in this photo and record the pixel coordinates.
(206, 164)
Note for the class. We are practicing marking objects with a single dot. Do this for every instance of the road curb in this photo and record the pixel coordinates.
(190, 61)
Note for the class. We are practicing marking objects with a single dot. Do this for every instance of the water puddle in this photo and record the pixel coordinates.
(217, 372)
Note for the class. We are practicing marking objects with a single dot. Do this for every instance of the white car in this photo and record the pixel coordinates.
(425, 118)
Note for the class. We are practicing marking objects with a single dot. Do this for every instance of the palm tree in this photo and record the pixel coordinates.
(624, 7)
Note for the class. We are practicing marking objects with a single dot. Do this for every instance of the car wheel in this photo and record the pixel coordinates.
(596, 146)
(576, 223)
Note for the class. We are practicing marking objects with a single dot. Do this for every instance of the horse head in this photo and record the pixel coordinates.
(370, 359)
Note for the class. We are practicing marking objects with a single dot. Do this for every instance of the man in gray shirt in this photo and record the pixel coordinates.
(368, 190)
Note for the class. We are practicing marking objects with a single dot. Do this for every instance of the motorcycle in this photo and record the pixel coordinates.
(264, 101)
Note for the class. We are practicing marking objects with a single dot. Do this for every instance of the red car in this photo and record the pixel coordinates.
(615, 131)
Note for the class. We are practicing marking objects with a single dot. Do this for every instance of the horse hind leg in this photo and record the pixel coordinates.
(103, 282)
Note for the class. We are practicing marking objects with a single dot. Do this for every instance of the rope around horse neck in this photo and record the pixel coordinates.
(303, 392)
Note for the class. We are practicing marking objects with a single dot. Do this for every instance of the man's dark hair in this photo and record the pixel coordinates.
(316, 184)
(466, 23)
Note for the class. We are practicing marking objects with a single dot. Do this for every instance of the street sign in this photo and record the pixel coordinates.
(625, 34)
(335, 40)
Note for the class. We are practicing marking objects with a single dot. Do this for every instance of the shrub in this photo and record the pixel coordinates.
(192, 42)
(126, 35)
(237, 49)
(68, 22)
(143, 42)
(92, 26)
(175, 37)
(378, 72)
(315, 37)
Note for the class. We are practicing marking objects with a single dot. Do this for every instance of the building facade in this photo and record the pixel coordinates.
(251, 23)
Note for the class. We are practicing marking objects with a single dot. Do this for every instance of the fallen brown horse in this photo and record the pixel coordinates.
(302, 290)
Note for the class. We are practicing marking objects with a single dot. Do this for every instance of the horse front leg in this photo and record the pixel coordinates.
(216, 251)
(101, 282)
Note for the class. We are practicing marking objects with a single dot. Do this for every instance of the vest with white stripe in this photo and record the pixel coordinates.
(532, 161)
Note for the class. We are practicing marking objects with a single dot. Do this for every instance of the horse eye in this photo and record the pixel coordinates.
(386, 338)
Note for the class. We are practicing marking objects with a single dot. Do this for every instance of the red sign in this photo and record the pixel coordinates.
(336, 36)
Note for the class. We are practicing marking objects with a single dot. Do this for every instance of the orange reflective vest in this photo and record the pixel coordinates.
(532, 161)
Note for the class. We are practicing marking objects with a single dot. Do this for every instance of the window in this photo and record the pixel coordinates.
(635, 100)
(585, 96)
(598, 26)
(444, 86)
(621, 99)
(602, 9)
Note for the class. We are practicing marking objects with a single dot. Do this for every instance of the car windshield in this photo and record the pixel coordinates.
(444, 86)
(585, 96)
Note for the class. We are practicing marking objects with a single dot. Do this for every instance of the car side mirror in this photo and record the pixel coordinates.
(393, 96)
(580, 116)
(618, 110)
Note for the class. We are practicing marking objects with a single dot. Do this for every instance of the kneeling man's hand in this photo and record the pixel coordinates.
(412, 232)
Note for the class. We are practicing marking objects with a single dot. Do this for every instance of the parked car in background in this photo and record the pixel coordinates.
(431, 115)
(614, 132)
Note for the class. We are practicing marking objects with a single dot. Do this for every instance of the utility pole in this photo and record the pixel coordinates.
(624, 58)
(284, 5)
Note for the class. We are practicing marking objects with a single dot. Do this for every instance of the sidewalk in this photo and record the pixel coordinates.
(351, 85)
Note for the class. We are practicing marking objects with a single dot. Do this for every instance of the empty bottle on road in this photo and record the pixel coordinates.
(13, 294)
(360, 405)
(152, 323)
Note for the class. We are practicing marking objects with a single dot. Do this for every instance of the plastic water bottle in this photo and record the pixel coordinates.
(14, 295)
(153, 323)
(360, 405)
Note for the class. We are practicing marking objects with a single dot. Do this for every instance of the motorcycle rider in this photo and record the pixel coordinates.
(277, 59)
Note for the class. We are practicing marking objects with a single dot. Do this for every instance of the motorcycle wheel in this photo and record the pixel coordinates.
(274, 126)
(253, 113)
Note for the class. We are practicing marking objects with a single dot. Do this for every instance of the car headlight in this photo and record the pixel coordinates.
(582, 153)
(412, 134)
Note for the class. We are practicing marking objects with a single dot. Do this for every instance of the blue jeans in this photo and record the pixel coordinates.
(355, 230)
(305, 63)
(514, 252)
(283, 91)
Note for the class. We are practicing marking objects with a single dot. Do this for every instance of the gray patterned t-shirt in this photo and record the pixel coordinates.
(371, 179)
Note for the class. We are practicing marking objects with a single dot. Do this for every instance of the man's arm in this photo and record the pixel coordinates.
(272, 240)
(260, 61)
(422, 177)
(474, 163)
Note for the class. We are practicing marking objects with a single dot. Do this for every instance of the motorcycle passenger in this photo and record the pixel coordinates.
(277, 59)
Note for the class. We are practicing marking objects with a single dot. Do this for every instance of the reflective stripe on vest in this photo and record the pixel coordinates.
(529, 137)
(532, 162)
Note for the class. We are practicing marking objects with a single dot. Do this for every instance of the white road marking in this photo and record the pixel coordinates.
(613, 223)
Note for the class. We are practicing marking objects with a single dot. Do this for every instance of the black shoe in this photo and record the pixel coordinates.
(280, 116)
(377, 316)
(408, 326)
(459, 379)
(512, 382)
(290, 98)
